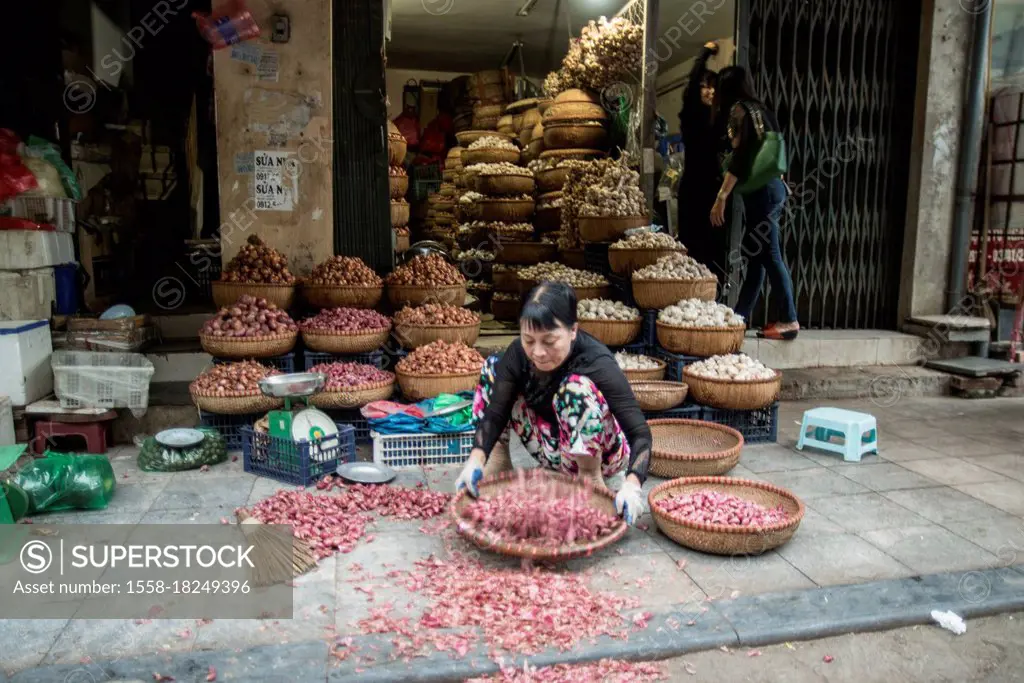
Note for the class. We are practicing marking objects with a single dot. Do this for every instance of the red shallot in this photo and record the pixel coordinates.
(714, 507)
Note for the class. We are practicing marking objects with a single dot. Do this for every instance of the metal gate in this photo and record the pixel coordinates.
(840, 74)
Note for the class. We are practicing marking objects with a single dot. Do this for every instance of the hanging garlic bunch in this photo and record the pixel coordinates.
(581, 175)
(615, 193)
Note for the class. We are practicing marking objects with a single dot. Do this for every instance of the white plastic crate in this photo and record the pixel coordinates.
(56, 211)
(94, 379)
(414, 450)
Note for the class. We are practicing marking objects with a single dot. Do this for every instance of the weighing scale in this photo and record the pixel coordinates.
(309, 425)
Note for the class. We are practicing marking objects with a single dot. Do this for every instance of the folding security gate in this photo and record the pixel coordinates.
(841, 76)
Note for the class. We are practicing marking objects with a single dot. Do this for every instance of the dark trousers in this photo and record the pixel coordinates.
(762, 210)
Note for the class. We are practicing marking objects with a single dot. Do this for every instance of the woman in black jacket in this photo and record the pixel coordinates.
(702, 138)
(748, 120)
(565, 397)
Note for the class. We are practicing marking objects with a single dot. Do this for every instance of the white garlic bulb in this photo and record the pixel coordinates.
(634, 361)
(699, 313)
(603, 309)
(735, 366)
(676, 266)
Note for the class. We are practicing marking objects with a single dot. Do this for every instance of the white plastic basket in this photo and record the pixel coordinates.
(414, 450)
(57, 211)
(94, 379)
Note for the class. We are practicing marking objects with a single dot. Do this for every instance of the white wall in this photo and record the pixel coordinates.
(397, 78)
(672, 81)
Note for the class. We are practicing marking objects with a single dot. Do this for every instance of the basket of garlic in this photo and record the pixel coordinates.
(586, 284)
(694, 327)
(674, 277)
(637, 367)
(637, 251)
(734, 381)
(610, 322)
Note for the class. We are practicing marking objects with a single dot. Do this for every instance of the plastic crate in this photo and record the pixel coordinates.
(687, 411)
(311, 358)
(56, 211)
(622, 289)
(301, 463)
(95, 379)
(649, 332)
(595, 257)
(355, 418)
(413, 450)
(285, 363)
(756, 426)
(676, 362)
(229, 426)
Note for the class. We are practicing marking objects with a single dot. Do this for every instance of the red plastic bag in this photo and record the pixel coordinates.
(15, 177)
(409, 126)
(228, 26)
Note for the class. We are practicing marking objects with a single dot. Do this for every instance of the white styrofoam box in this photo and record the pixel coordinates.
(56, 211)
(27, 294)
(26, 249)
(6, 422)
(25, 373)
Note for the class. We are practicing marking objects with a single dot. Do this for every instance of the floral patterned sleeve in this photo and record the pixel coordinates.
(621, 401)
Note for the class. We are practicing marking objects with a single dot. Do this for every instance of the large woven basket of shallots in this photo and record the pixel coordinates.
(538, 515)
(725, 515)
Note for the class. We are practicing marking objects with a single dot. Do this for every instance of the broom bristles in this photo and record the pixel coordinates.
(277, 556)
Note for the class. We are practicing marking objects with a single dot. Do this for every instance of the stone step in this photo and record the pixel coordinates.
(884, 385)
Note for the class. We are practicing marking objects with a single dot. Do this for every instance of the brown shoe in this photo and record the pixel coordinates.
(499, 461)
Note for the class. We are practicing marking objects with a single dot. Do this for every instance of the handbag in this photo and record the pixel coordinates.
(770, 159)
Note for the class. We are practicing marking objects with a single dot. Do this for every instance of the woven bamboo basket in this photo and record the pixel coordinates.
(548, 220)
(235, 405)
(448, 176)
(339, 342)
(399, 185)
(399, 214)
(505, 310)
(724, 539)
(692, 448)
(750, 394)
(445, 205)
(416, 295)
(334, 296)
(655, 396)
(248, 347)
(489, 156)
(574, 154)
(562, 486)
(356, 397)
(227, 293)
(552, 179)
(574, 136)
(626, 261)
(573, 258)
(504, 184)
(415, 336)
(608, 228)
(522, 106)
(659, 294)
(700, 341)
(396, 150)
(653, 375)
(526, 253)
(506, 210)
(488, 110)
(402, 242)
(418, 387)
(453, 160)
(467, 137)
(536, 147)
(505, 281)
(574, 106)
(602, 292)
(506, 124)
(612, 332)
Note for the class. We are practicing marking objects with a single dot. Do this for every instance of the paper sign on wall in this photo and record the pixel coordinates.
(269, 66)
(276, 180)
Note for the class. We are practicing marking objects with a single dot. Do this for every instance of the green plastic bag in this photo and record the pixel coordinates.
(155, 457)
(51, 153)
(62, 481)
(770, 161)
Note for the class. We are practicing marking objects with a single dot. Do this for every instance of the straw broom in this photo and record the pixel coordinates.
(277, 555)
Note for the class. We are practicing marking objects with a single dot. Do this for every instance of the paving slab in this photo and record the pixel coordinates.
(942, 504)
(655, 580)
(866, 512)
(25, 642)
(930, 548)
(902, 450)
(1008, 464)
(774, 459)
(833, 559)
(953, 471)
(722, 577)
(1007, 495)
(1002, 535)
(956, 446)
(222, 493)
(815, 483)
(885, 476)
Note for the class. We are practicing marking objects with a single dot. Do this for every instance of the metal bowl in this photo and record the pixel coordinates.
(296, 384)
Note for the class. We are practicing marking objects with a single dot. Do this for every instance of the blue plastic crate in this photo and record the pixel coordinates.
(229, 426)
(301, 463)
(756, 426)
(311, 358)
(622, 289)
(676, 362)
(687, 411)
(285, 363)
(355, 418)
(595, 257)
(649, 332)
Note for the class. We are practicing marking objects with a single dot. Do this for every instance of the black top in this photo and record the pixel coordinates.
(516, 376)
(697, 128)
(745, 137)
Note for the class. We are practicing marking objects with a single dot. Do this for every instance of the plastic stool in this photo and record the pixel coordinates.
(94, 433)
(858, 431)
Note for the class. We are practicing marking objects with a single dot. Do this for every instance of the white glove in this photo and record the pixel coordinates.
(472, 473)
(629, 502)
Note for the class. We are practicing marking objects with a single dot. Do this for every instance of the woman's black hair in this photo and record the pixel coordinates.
(549, 305)
(734, 85)
(709, 78)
